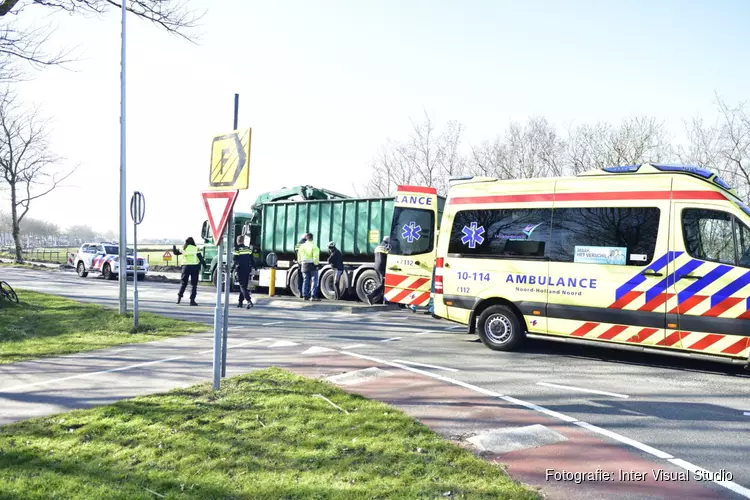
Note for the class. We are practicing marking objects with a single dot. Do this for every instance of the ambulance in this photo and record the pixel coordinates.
(643, 257)
(411, 259)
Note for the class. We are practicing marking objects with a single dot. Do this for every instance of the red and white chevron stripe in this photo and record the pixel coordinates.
(408, 290)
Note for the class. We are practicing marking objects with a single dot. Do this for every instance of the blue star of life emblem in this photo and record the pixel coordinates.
(473, 235)
(411, 232)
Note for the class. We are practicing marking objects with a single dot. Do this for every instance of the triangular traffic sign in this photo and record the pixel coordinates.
(218, 205)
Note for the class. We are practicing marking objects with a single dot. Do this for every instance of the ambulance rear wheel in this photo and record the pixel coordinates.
(500, 329)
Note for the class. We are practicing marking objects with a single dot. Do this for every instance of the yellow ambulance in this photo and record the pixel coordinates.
(413, 239)
(646, 257)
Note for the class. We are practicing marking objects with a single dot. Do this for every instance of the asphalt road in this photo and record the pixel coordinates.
(695, 411)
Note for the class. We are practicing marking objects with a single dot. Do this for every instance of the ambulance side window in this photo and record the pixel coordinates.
(743, 244)
(605, 235)
(716, 236)
(512, 233)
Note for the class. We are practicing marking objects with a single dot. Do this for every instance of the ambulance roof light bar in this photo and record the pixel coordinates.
(701, 172)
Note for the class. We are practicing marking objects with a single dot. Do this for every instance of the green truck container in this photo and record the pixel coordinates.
(356, 225)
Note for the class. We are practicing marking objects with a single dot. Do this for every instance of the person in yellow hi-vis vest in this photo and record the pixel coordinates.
(309, 257)
(191, 268)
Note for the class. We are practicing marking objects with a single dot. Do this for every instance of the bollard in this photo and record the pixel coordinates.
(272, 285)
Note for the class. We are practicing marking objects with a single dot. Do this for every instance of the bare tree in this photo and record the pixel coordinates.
(636, 140)
(531, 150)
(20, 43)
(80, 234)
(29, 169)
(723, 147)
(427, 157)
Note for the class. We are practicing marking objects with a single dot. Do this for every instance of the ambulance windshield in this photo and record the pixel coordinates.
(412, 231)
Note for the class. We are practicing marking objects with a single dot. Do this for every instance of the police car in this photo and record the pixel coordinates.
(103, 258)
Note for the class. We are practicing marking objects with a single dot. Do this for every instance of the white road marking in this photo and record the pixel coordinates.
(741, 490)
(317, 350)
(272, 323)
(730, 485)
(619, 437)
(437, 367)
(457, 327)
(426, 332)
(391, 339)
(91, 374)
(283, 343)
(747, 413)
(238, 345)
(353, 346)
(581, 389)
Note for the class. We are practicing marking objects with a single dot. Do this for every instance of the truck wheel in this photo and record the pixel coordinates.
(293, 283)
(107, 272)
(366, 283)
(499, 329)
(81, 270)
(327, 285)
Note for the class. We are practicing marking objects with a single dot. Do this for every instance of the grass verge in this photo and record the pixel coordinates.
(45, 325)
(268, 434)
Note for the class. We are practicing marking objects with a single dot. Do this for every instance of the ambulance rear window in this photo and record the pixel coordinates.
(519, 233)
(412, 231)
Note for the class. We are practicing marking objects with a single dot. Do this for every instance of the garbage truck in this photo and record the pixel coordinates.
(277, 220)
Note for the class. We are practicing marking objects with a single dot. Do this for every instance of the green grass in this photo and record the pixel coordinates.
(264, 435)
(46, 325)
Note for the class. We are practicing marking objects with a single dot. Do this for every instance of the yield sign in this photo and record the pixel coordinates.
(218, 206)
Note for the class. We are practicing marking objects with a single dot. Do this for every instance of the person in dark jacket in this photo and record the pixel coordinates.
(381, 258)
(191, 268)
(336, 261)
(243, 263)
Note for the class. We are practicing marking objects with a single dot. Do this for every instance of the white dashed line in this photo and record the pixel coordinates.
(391, 339)
(353, 346)
(730, 485)
(237, 345)
(457, 327)
(581, 389)
(437, 367)
(272, 323)
(84, 375)
(425, 333)
(747, 413)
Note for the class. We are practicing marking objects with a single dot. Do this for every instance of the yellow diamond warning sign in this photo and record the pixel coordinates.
(230, 161)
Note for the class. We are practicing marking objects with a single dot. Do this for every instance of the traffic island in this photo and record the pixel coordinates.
(268, 434)
(44, 325)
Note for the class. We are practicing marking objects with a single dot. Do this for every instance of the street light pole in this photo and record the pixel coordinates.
(123, 275)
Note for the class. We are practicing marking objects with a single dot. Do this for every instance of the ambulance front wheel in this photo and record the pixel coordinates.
(500, 329)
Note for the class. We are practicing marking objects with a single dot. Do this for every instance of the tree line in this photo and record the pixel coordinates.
(29, 168)
(430, 155)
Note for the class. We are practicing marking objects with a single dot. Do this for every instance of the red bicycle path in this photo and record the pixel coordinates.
(455, 412)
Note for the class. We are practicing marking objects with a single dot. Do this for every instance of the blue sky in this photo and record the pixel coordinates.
(323, 84)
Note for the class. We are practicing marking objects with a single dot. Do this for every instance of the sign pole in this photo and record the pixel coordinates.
(230, 246)
(137, 211)
(135, 276)
(123, 275)
(217, 317)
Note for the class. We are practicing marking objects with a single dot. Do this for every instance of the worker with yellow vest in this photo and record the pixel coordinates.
(191, 267)
(309, 258)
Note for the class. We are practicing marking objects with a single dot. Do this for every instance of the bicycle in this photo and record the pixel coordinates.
(7, 292)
